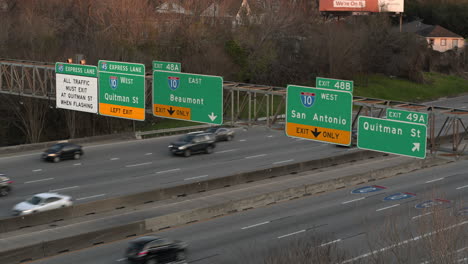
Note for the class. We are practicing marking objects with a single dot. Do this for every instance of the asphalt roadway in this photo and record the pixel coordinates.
(391, 217)
(134, 166)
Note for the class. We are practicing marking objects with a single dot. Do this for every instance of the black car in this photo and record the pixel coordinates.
(221, 133)
(194, 142)
(5, 185)
(62, 151)
(153, 249)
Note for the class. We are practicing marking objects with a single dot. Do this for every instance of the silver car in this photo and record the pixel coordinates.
(42, 202)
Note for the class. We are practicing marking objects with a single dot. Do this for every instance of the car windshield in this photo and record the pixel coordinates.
(186, 138)
(34, 200)
(211, 129)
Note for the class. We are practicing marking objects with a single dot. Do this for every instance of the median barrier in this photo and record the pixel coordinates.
(89, 239)
(154, 224)
(22, 254)
(122, 202)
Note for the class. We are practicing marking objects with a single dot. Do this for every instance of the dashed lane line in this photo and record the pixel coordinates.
(166, 171)
(388, 207)
(48, 179)
(259, 224)
(139, 164)
(66, 188)
(355, 200)
(291, 234)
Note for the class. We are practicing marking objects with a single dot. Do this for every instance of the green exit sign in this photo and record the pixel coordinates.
(392, 136)
(335, 84)
(166, 66)
(408, 116)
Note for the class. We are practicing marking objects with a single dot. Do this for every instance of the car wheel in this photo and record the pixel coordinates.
(152, 261)
(187, 153)
(229, 138)
(181, 255)
(209, 150)
(4, 191)
(77, 156)
(56, 159)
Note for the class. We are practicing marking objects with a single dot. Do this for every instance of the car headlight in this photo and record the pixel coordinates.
(182, 147)
(52, 155)
(27, 211)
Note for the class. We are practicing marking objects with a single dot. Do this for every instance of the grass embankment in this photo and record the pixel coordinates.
(436, 85)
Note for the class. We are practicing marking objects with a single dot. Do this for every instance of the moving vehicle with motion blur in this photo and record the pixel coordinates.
(5, 185)
(194, 142)
(42, 202)
(221, 133)
(61, 151)
(154, 249)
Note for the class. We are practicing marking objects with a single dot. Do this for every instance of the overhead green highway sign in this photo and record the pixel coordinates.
(408, 116)
(166, 66)
(392, 136)
(341, 85)
(319, 114)
(122, 89)
(186, 96)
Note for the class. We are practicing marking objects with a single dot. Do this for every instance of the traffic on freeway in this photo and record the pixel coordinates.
(120, 168)
(388, 216)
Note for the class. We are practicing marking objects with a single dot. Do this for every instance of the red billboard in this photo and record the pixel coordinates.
(362, 5)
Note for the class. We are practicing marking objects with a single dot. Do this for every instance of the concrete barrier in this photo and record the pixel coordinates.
(122, 202)
(88, 239)
(71, 243)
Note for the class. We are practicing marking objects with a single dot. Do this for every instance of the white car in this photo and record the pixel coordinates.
(42, 202)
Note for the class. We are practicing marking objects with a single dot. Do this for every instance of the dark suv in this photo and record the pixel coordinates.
(153, 249)
(5, 185)
(194, 142)
(62, 151)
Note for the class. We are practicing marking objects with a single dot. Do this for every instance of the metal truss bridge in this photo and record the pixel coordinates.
(248, 104)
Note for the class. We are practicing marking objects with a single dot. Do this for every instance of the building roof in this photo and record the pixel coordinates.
(428, 31)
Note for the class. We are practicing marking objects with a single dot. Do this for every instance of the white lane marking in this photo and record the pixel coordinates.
(377, 251)
(350, 201)
(139, 164)
(250, 226)
(439, 179)
(168, 171)
(331, 242)
(290, 234)
(270, 136)
(66, 188)
(149, 153)
(418, 216)
(388, 207)
(256, 156)
(224, 151)
(196, 177)
(242, 140)
(37, 170)
(122, 259)
(283, 161)
(114, 159)
(77, 164)
(48, 179)
(89, 197)
(462, 187)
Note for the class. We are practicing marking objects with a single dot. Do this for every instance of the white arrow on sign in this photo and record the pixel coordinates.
(212, 116)
(416, 147)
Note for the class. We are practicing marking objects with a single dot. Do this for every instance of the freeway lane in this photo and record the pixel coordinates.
(134, 166)
(358, 222)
